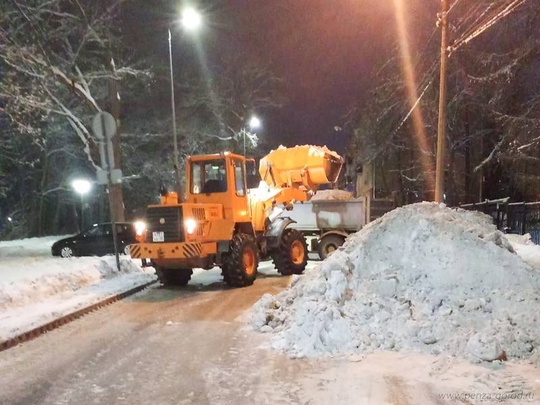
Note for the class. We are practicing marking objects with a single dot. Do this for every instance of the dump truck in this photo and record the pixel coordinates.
(230, 216)
(327, 223)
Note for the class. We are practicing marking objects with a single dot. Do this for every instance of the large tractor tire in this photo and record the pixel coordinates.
(174, 276)
(292, 254)
(329, 244)
(241, 262)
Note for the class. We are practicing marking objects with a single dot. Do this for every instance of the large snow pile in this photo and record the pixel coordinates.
(332, 195)
(423, 277)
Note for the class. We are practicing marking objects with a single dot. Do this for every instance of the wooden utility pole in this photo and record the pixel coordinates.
(117, 198)
(441, 128)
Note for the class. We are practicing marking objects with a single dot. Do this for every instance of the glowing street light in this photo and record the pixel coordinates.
(191, 20)
(254, 123)
(81, 187)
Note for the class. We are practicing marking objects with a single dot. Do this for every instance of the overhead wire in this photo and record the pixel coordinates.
(476, 15)
(474, 32)
(502, 11)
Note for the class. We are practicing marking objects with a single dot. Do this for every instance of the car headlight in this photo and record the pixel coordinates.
(190, 225)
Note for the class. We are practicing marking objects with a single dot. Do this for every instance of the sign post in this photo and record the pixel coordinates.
(104, 128)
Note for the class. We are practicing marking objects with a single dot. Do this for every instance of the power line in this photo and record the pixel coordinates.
(474, 32)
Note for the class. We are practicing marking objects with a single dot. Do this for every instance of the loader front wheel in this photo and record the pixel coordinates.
(292, 254)
(174, 276)
(241, 262)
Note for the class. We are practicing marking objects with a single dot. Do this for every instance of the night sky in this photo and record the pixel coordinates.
(324, 50)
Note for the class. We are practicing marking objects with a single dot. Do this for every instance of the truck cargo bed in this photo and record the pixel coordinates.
(321, 215)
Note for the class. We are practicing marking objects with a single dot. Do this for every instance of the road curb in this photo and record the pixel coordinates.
(40, 330)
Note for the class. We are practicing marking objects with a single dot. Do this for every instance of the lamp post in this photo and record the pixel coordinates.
(191, 20)
(81, 187)
(254, 123)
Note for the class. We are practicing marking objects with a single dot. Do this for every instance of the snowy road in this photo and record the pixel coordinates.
(170, 346)
(192, 346)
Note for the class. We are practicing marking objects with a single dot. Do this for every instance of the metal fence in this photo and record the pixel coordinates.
(519, 218)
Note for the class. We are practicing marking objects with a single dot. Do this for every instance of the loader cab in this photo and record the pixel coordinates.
(219, 178)
(208, 176)
(253, 178)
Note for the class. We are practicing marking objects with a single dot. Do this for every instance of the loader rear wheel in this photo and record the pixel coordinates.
(329, 244)
(174, 276)
(292, 254)
(241, 262)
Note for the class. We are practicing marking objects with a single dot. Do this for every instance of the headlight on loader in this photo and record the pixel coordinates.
(190, 225)
(140, 231)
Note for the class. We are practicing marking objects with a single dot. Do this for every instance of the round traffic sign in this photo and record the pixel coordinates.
(103, 125)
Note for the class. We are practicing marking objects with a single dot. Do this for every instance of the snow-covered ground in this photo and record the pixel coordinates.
(440, 288)
(36, 288)
(423, 278)
(426, 293)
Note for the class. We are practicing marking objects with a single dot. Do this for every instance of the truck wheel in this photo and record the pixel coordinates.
(329, 244)
(292, 254)
(174, 276)
(240, 264)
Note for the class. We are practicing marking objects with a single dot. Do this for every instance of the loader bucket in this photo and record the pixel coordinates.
(304, 166)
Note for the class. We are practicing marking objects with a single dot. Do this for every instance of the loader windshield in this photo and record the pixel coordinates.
(208, 177)
(239, 177)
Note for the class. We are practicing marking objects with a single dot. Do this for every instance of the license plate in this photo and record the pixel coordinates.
(158, 237)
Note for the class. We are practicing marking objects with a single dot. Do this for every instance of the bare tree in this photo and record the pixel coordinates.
(58, 63)
(56, 72)
(493, 113)
(217, 110)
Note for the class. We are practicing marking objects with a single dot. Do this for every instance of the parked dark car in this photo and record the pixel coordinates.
(96, 241)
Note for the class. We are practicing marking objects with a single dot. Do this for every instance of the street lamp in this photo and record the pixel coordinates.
(254, 123)
(191, 20)
(81, 187)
